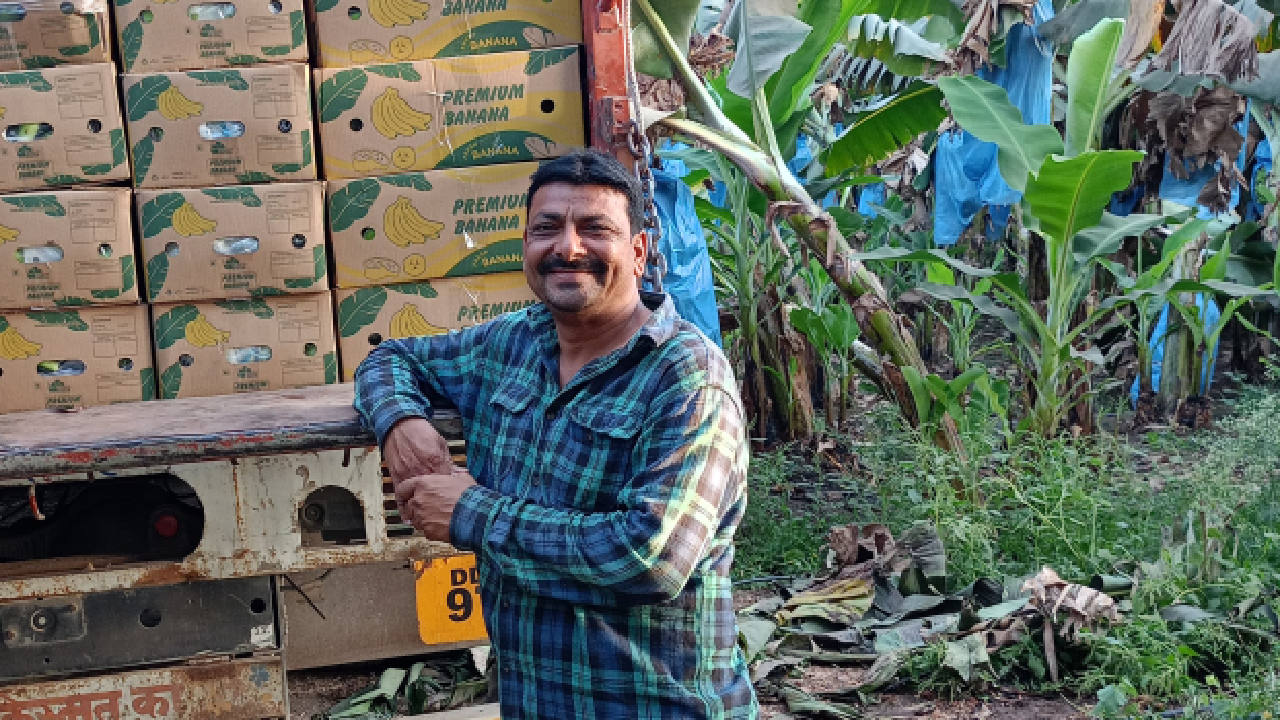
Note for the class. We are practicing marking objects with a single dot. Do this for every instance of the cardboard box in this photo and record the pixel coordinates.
(164, 37)
(451, 112)
(67, 248)
(233, 346)
(233, 242)
(68, 128)
(220, 127)
(74, 358)
(368, 315)
(38, 34)
(388, 31)
(420, 226)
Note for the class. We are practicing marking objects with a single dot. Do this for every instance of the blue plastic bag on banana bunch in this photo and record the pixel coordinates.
(1262, 164)
(688, 279)
(966, 176)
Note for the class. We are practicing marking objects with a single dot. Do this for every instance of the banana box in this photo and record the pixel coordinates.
(73, 358)
(388, 31)
(369, 315)
(238, 241)
(45, 33)
(450, 112)
(67, 248)
(166, 36)
(220, 127)
(419, 226)
(226, 347)
(62, 126)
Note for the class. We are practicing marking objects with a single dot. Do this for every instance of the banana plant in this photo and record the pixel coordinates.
(832, 330)
(785, 52)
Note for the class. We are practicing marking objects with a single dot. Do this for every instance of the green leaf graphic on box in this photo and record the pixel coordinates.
(47, 203)
(128, 273)
(40, 61)
(298, 27)
(258, 308)
(56, 180)
(499, 147)
(172, 325)
(276, 50)
(360, 309)
(325, 5)
(91, 170)
(351, 203)
(320, 264)
(142, 153)
(147, 379)
(508, 34)
(266, 292)
(540, 60)
(330, 368)
(502, 255)
(70, 319)
(288, 168)
(243, 195)
(157, 273)
(396, 71)
(339, 93)
(105, 294)
(95, 33)
(74, 50)
(27, 78)
(119, 148)
(230, 78)
(143, 96)
(421, 289)
(131, 43)
(72, 302)
(243, 60)
(306, 148)
(157, 213)
(171, 381)
(4, 323)
(254, 177)
(413, 181)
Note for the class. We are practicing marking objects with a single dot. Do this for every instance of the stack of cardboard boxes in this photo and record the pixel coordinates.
(432, 118)
(230, 215)
(71, 330)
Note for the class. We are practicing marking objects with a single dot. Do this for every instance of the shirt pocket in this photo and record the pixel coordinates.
(593, 463)
(503, 456)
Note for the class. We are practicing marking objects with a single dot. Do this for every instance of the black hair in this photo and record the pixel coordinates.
(592, 167)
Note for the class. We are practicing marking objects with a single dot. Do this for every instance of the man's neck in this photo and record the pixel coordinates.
(583, 339)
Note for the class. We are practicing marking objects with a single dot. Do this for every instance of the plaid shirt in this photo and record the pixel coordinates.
(604, 513)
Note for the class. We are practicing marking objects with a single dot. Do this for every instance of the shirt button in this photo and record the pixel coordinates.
(506, 668)
(506, 605)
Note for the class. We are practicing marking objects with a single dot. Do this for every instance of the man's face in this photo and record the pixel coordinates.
(579, 253)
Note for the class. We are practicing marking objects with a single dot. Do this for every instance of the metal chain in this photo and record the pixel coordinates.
(642, 151)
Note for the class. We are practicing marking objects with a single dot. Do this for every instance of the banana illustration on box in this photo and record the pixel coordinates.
(201, 333)
(369, 161)
(173, 105)
(188, 222)
(15, 347)
(393, 117)
(7, 234)
(389, 13)
(408, 322)
(405, 226)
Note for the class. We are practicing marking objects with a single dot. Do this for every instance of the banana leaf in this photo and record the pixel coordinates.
(984, 110)
(1088, 83)
(876, 134)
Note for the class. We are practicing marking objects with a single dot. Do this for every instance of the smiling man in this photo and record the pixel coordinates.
(606, 469)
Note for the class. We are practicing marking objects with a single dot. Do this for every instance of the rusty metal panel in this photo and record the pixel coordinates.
(607, 35)
(170, 432)
(252, 527)
(126, 628)
(243, 689)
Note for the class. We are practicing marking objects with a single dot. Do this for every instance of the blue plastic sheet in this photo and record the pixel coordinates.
(1209, 311)
(1185, 192)
(967, 177)
(1262, 164)
(688, 280)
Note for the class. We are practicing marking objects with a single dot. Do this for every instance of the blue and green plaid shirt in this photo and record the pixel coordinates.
(604, 513)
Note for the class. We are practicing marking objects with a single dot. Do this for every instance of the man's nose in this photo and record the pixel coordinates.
(569, 244)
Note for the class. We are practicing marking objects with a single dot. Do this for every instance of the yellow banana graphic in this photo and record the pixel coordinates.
(173, 105)
(408, 322)
(405, 226)
(201, 333)
(2, 111)
(369, 162)
(15, 347)
(7, 234)
(393, 117)
(389, 13)
(189, 222)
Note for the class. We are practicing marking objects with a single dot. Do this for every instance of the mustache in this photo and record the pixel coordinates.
(589, 264)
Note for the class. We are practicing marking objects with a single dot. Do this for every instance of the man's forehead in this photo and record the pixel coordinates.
(558, 197)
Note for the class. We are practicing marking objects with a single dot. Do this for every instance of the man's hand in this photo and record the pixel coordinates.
(413, 448)
(427, 501)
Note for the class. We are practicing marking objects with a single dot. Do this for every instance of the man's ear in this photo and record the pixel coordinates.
(640, 244)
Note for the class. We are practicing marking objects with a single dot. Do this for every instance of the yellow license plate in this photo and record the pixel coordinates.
(448, 593)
